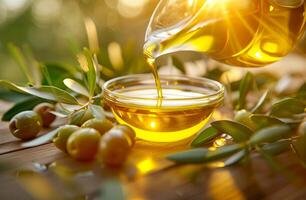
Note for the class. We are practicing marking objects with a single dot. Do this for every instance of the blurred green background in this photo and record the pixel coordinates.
(55, 31)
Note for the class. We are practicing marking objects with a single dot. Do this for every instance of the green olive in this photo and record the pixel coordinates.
(115, 145)
(244, 117)
(43, 110)
(25, 125)
(83, 144)
(128, 131)
(63, 133)
(79, 117)
(102, 126)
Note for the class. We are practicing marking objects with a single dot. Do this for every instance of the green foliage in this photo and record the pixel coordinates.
(19, 58)
(91, 72)
(236, 158)
(262, 121)
(245, 86)
(189, 156)
(57, 72)
(97, 111)
(11, 96)
(40, 140)
(202, 155)
(277, 147)
(76, 87)
(236, 152)
(239, 132)
(260, 102)
(270, 134)
(27, 104)
(45, 92)
(287, 108)
(205, 136)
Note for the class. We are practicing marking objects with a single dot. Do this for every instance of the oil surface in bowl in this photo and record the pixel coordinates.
(167, 121)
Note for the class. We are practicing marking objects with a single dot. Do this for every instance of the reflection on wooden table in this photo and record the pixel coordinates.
(43, 172)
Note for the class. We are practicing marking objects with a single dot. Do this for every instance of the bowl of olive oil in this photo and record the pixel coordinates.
(185, 107)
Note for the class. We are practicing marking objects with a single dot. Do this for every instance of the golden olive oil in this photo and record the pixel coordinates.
(245, 33)
(172, 120)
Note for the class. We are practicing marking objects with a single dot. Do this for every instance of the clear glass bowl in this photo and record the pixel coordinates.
(186, 106)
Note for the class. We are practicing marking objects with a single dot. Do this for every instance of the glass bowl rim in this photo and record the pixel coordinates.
(219, 93)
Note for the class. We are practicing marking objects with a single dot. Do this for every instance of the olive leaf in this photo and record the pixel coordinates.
(12, 96)
(287, 108)
(111, 189)
(27, 104)
(245, 86)
(45, 92)
(33, 65)
(56, 72)
(260, 102)
(270, 134)
(238, 131)
(299, 147)
(97, 111)
(178, 64)
(59, 114)
(203, 155)
(301, 93)
(289, 3)
(205, 136)
(236, 158)
(76, 87)
(224, 151)
(189, 156)
(40, 140)
(19, 58)
(91, 73)
(262, 121)
(276, 147)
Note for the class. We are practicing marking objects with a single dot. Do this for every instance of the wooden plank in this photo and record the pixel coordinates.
(257, 181)
(42, 154)
(5, 135)
(147, 175)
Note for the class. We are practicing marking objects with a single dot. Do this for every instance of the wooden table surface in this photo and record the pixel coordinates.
(147, 175)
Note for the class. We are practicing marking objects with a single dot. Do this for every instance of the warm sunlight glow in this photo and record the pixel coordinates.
(145, 166)
(258, 55)
(219, 142)
(153, 124)
(270, 47)
(219, 177)
(231, 75)
(131, 8)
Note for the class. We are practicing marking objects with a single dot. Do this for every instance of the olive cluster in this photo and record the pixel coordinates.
(86, 138)
(27, 124)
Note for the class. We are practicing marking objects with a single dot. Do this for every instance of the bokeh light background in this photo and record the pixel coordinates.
(54, 29)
